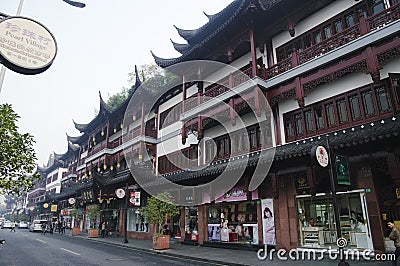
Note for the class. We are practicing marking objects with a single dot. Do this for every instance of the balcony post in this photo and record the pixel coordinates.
(183, 109)
(253, 52)
(363, 25)
(200, 85)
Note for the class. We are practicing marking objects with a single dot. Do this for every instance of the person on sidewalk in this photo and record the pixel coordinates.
(13, 225)
(103, 229)
(395, 236)
(44, 226)
(63, 225)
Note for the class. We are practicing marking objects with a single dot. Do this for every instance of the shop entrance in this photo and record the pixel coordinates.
(317, 224)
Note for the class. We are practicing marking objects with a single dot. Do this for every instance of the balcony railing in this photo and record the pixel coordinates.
(365, 25)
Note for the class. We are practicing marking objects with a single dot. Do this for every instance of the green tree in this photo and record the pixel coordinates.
(17, 156)
(151, 75)
(93, 211)
(157, 210)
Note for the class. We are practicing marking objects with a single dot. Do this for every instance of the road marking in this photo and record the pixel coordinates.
(70, 251)
(40, 240)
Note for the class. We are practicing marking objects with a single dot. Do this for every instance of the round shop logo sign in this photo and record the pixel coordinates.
(26, 46)
(71, 201)
(120, 193)
(321, 155)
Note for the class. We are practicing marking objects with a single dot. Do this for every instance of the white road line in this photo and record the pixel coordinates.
(70, 251)
(40, 240)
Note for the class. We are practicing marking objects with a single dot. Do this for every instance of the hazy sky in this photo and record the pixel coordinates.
(97, 47)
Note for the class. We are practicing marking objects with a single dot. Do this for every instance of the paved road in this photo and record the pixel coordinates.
(26, 248)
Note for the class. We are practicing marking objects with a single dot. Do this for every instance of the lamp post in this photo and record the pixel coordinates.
(342, 261)
(21, 3)
(126, 215)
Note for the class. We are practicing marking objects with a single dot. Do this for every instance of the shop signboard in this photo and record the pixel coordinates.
(237, 194)
(53, 208)
(342, 170)
(267, 207)
(26, 46)
(301, 184)
(134, 198)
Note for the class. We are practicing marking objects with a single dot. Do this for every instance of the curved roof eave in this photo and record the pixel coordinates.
(180, 47)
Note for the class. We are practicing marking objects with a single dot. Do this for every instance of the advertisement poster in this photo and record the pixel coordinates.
(214, 232)
(267, 207)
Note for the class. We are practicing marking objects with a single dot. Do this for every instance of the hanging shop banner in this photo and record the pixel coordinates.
(237, 194)
(342, 170)
(267, 207)
(26, 46)
(134, 198)
(53, 208)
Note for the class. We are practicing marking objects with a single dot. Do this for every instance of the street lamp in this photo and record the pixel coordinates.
(324, 158)
(21, 2)
(126, 215)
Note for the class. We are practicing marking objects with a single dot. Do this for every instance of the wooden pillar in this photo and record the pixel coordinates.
(373, 65)
(278, 137)
(183, 109)
(182, 224)
(299, 92)
(200, 86)
(142, 132)
(253, 51)
(107, 132)
(232, 111)
(202, 224)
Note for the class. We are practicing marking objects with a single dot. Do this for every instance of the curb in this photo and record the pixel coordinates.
(163, 253)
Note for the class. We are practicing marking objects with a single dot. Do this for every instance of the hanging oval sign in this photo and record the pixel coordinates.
(45, 205)
(120, 193)
(71, 201)
(26, 46)
(320, 154)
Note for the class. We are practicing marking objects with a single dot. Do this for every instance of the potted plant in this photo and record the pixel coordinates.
(75, 230)
(92, 212)
(156, 212)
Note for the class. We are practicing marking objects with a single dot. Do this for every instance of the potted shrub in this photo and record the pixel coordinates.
(75, 230)
(156, 212)
(92, 212)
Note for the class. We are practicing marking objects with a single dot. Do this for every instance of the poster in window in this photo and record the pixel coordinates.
(267, 206)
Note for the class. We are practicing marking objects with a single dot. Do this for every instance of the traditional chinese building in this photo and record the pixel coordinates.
(329, 71)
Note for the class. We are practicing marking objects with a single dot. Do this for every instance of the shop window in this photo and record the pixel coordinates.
(368, 102)
(383, 99)
(319, 117)
(327, 31)
(338, 25)
(330, 114)
(342, 111)
(137, 221)
(308, 117)
(395, 82)
(289, 127)
(317, 36)
(252, 138)
(350, 19)
(355, 107)
(317, 225)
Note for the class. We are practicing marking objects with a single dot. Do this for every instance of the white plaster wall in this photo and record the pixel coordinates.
(175, 144)
(392, 66)
(312, 21)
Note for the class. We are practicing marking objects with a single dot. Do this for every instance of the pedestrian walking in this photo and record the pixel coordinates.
(44, 225)
(13, 225)
(103, 229)
(395, 236)
(63, 225)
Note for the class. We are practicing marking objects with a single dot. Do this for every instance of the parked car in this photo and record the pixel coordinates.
(23, 224)
(7, 224)
(36, 225)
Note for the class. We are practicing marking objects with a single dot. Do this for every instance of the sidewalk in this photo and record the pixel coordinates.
(215, 255)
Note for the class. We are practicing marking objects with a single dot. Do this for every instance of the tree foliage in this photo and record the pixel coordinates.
(158, 208)
(93, 211)
(17, 156)
(151, 75)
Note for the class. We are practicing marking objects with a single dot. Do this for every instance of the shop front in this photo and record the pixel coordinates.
(191, 224)
(233, 218)
(317, 224)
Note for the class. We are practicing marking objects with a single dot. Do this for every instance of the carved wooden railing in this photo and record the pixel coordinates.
(365, 25)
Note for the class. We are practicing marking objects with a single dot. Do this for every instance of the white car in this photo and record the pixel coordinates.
(7, 224)
(36, 225)
(23, 224)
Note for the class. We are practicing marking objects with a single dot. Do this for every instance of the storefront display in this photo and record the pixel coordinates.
(137, 221)
(267, 208)
(233, 222)
(191, 224)
(317, 223)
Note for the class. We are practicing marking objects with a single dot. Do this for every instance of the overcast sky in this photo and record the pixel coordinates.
(97, 47)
